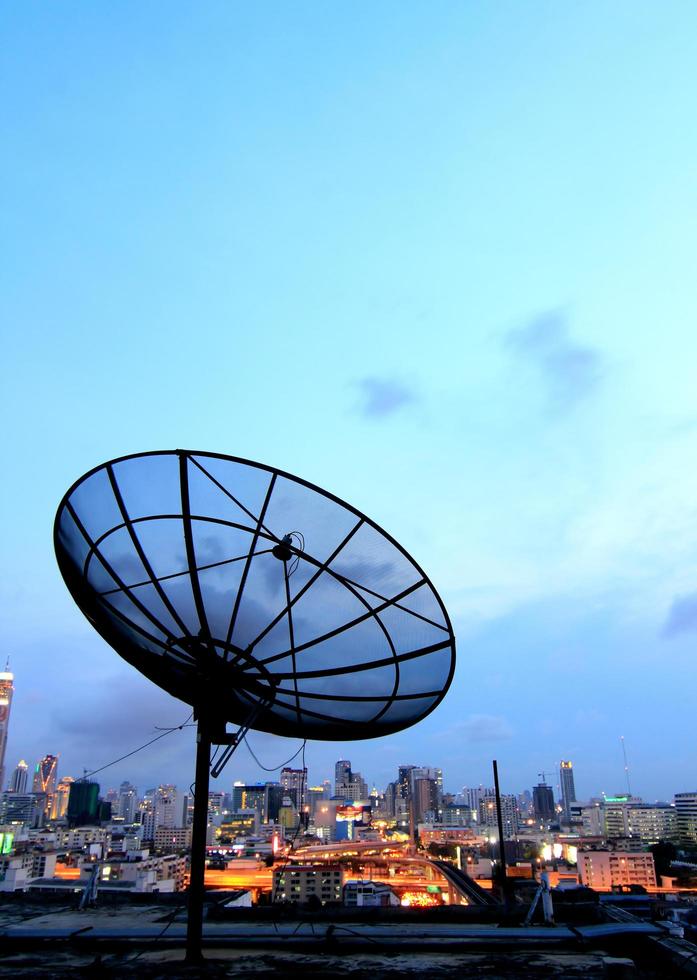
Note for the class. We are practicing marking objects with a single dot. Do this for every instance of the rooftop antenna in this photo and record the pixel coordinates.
(626, 765)
(194, 567)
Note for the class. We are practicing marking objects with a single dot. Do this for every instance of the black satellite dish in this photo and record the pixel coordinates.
(257, 598)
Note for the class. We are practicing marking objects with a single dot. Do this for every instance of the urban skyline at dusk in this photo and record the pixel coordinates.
(450, 284)
(115, 773)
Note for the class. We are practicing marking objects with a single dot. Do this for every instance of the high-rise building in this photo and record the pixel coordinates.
(83, 803)
(543, 801)
(166, 807)
(45, 775)
(273, 801)
(60, 798)
(6, 691)
(18, 783)
(509, 813)
(249, 797)
(128, 801)
(568, 790)
(354, 787)
(425, 797)
(342, 774)
(686, 805)
(294, 782)
(404, 781)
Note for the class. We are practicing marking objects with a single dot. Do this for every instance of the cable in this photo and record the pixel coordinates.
(282, 764)
(166, 731)
(157, 938)
(284, 867)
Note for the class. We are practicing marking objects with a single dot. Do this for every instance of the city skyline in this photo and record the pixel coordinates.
(560, 779)
(436, 261)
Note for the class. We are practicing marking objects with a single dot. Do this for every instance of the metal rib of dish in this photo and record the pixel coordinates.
(246, 591)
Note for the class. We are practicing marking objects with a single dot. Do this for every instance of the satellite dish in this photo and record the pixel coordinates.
(241, 589)
(257, 598)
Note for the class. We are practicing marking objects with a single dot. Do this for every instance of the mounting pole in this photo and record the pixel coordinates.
(194, 921)
(503, 879)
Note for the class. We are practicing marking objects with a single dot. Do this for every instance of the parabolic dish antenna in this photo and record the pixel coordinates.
(257, 598)
(245, 591)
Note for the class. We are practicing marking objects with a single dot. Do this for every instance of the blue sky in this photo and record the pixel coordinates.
(437, 258)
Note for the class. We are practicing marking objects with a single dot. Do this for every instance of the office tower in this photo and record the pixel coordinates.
(568, 790)
(249, 797)
(83, 803)
(166, 807)
(44, 783)
(509, 813)
(273, 801)
(187, 810)
(425, 797)
(686, 805)
(543, 801)
(342, 774)
(18, 783)
(60, 798)
(404, 781)
(128, 799)
(294, 782)
(25, 808)
(45, 775)
(6, 691)
(349, 785)
(112, 798)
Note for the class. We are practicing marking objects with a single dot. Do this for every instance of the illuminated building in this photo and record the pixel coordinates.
(686, 806)
(24, 808)
(18, 783)
(171, 839)
(166, 807)
(652, 822)
(293, 782)
(45, 775)
(128, 799)
(249, 797)
(299, 883)
(603, 869)
(509, 813)
(404, 781)
(348, 785)
(60, 798)
(438, 833)
(243, 823)
(342, 775)
(374, 894)
(568, 790)
(288, 814)
(315, 795)
(6, 691)
(349, 817)
(425, 794)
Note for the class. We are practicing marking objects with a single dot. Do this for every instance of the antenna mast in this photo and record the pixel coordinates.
(626, 766)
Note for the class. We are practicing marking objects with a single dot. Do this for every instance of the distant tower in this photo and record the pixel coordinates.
(294, 782)
(568, 790)
(128, 799)
(18, 783)
(45, 775)
(6, 691)
(83, 803)
(342, 775)
(543, 801)
(60, 798)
